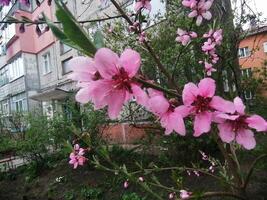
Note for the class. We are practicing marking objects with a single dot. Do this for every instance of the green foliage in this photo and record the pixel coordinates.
(91, 193)
(72, 34)
(132, 196)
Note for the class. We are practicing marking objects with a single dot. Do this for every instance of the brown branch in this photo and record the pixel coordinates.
(17, 21)
(148, 47)
(156, 87)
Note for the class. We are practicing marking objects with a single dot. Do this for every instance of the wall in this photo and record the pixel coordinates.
(254, 42)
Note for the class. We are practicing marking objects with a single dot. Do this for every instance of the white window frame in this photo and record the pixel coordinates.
(248, 95)
(46, 68)
(19, 103)
(5, 107)
(246, 73)
(265, 47)
(226, 87)
(16, 69)
(244, 52)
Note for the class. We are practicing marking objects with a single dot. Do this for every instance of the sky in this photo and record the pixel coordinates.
(260, 5)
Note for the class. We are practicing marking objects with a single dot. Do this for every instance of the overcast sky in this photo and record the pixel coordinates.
(260, 6)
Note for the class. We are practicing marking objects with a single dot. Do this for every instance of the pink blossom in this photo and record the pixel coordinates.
(142, 37)
(201, 103)
(141, 179)
(172, 196)
(126, 184)
(134, 27)
(76, 157)
(199, 9)
(142, 4)
(209, 68)
(196, 173)
(4, 2)
(171, 117)
(211, 169)
(214, 38)
(185, 37)
(112, 84)
(236, 126)
(184, 194)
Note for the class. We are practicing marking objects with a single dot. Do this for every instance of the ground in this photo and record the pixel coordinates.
(89, 183)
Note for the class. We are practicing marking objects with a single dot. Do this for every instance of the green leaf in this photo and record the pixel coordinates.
(98, 39)
(60, 34)
(73, 30)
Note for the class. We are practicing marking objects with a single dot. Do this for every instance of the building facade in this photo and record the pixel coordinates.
(253, 59)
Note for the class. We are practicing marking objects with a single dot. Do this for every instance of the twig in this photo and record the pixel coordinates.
(16, 21)
(148, 47)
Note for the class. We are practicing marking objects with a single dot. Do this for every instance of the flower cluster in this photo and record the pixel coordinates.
(185, 37)
(199, 9)
(237, 125)
(77, 156)
(214, 38)
(109, 84)
(108, 80)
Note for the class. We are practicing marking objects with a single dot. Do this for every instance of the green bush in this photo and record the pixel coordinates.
(132, 196)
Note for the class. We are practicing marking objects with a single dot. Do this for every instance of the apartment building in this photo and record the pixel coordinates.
(33, 67)
(253, 58)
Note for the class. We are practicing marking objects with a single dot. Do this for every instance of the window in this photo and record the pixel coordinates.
(265, 47)
(3, 76)
(65, 66)
(64, 48)
(246, 73)
(225, 81)
(47, 109)
(4, 107)
(248, 95)
(244, 52)
(19, 103)
(46, 63)
(16, 69)
(8, 33)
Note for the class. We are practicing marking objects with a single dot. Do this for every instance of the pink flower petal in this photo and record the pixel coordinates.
(202, 123)
(130, 60)
(178, 123)
(226, 132)
(148, 5)
(115, 102)
(193, 14)
(190, 93)
(82, 64)
(106, 62)
(158, 105)
(184, 111)
(239, 106)
(207, 15)
(138, 5)
(256, 122)
(83, 95)
(140, 95)
(199, 20)
(207, 87)
(245, 137)
(222, 105)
